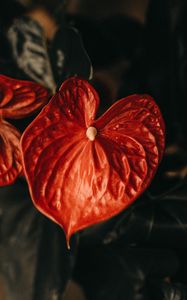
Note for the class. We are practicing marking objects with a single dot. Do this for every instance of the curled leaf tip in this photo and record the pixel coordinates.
(68, 245)
(68, 233)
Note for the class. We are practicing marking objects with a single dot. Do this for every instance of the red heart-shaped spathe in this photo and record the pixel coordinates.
(10, 154)
(20, 98)
(79, 175)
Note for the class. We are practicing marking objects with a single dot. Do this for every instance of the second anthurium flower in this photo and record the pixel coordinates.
(18, 99)
(82, 171)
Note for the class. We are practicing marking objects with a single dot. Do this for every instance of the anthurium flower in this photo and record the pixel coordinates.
(82, 171)
(18, 99)
(10, 156)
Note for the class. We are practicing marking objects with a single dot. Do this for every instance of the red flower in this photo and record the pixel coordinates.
(10, 156)
(18, 99)
(82, 171)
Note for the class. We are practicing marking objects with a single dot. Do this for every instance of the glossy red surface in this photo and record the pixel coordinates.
(76, 180)
(20, 98)
(10, 154)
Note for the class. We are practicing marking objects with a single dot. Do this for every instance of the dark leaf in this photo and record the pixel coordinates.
(117, 273)
(34, 261)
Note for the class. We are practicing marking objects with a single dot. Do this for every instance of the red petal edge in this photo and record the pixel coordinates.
(10, 154)
(20, 98)
(77, 182)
